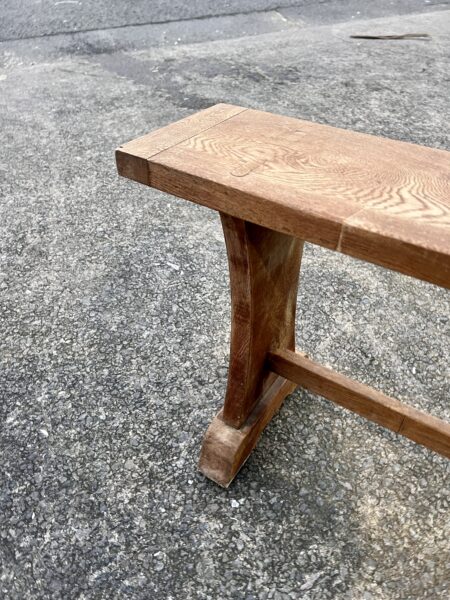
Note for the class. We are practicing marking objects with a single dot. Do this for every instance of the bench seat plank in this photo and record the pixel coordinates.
(381, 200)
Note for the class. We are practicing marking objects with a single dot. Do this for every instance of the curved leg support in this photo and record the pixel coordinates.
(264, 268)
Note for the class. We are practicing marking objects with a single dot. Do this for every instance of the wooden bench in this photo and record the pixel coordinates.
(276, 182)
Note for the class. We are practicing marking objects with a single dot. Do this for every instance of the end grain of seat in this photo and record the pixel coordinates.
(384, 201)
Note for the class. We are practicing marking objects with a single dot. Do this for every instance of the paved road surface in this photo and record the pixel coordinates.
(114, 314)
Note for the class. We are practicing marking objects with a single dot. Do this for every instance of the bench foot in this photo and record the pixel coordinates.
(225, 449)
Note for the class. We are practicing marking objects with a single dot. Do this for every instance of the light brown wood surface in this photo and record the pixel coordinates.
(133, 158)
(264, 268)
(362, 399)
(384, 201)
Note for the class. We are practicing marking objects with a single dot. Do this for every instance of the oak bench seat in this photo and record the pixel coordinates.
(276, 182)
(384, 201)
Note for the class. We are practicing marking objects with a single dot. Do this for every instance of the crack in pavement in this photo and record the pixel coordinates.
(275, 9)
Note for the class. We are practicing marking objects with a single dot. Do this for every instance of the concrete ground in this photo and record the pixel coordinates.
(114, 314)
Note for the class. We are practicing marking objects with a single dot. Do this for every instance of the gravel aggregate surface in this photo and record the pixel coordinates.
(114, 313)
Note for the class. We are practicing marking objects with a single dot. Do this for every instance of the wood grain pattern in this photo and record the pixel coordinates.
(418, 426)
(278, 181)
(132, 158)
(381, 200)
(225, 449)
(264, 267)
